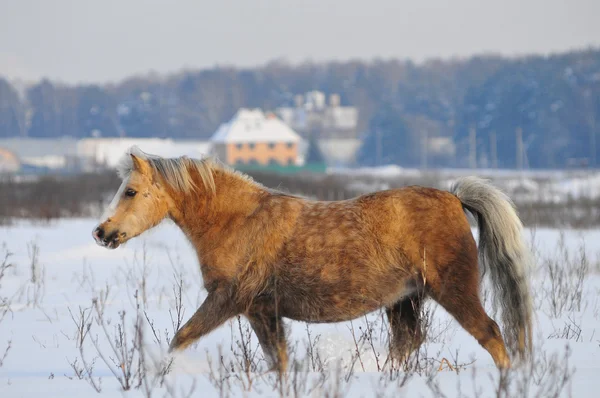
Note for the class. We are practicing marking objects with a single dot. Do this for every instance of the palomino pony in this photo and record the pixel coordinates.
(269, 255)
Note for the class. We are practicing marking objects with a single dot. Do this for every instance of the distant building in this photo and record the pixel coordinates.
(102, 153)
(43, 154)
(334, 128)
(68, 155)
(340, 152)
(313, 117)
(9, 162)
(251, 137)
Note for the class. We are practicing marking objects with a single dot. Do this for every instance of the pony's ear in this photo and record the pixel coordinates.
(141, 165)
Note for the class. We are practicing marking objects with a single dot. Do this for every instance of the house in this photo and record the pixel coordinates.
(339, 152)
(102, 153)
(42, 155)
(313, 117)
(9, 162)
(253, 138)
(334, 128)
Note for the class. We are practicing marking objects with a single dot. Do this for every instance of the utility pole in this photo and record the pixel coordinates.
(593, 138)
(424, 149)
(378, 147)
(493, 150)
(590, 102)
(519, 148)
(472, 147)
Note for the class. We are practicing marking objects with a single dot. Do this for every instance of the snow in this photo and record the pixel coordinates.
(73, 270)
(109, 151)
(555, 186)
(251, 125)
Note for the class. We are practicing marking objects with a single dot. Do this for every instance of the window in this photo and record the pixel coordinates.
(272, 145)
(291, 161)
(251, 145)
(239, 161)
(290, 145)
(239, 146)
(273, 162)
(253, 162)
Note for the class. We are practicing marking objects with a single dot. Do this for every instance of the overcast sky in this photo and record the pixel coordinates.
(98, 41)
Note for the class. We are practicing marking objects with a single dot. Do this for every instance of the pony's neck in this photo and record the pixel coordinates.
(196, 212)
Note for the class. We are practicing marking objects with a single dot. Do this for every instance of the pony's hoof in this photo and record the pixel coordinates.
(174, 346)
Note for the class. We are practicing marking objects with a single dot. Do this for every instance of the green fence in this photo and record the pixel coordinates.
(281, 169)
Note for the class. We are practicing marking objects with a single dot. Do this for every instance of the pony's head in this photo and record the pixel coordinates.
(145, 196)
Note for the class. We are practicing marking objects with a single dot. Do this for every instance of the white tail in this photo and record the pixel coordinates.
(504, 254)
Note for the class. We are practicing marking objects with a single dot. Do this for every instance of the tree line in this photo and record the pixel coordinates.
(554, 100)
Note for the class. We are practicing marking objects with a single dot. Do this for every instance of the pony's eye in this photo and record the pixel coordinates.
(130, 192)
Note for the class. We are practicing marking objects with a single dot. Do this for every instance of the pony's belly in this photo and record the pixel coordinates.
(327, 314)
(338, 306)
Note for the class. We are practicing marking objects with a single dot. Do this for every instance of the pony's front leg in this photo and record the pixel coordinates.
(218, 307)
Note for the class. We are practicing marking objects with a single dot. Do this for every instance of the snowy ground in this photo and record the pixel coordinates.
(555, 186)
(57, 271)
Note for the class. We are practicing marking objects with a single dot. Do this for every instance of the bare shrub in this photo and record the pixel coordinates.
(218, 375)
(123, 351)
(137, 274)
(125, 357)
(5, 354)
(51, 197)
(312, 352)
(34, 289)
(84, 195)
(183, 393)
(83, 325)
(5, 264)
(177, 316)
(571, 330)
(242, 369)
(563, 287)
(85, 369)
(545, 376)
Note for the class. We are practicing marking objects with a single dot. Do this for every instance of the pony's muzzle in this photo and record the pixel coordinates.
(98, 234)
(110, 240)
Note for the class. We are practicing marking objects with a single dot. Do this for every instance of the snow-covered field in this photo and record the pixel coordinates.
(555, 186)
(68, 301)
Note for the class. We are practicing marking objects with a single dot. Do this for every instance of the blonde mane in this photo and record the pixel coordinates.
(175, 171)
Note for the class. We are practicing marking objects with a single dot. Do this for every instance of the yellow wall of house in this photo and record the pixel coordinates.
(8, 157)
(262, 153)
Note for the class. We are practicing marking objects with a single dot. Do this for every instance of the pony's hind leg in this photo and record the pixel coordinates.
(407, 333)
(464, 305)
(269, 330)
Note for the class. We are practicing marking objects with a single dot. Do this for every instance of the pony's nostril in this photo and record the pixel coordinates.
(99, 233)
(112, 237)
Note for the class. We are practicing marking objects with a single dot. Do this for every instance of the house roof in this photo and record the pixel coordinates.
(251, 125)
